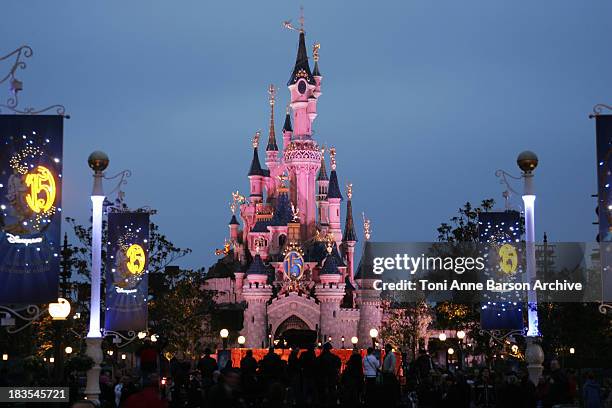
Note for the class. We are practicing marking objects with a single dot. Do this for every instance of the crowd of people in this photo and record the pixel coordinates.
(377, 379)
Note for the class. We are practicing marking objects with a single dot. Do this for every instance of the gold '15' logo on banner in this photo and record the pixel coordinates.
(508, 258)
(136, 259)
(42, 189)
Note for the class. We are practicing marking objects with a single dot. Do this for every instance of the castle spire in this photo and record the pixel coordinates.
(301, 68)
(287, 126)
(256, 169)
(334, 189)
(272, 146)
(322, 176)
(349, 225)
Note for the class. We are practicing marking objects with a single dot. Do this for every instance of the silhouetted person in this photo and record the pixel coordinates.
(352, 382)
(329, 366)
(226, 393)
(558, 392)
(271, 367)
(308, 364)
(371, 366)
(591, 393)
(207, 366)
(248, 368)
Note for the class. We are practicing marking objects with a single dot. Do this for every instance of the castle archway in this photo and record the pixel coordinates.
(294, 332)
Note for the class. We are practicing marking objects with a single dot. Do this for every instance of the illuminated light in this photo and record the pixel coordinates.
(460, 334)
(110, 352)
(136, 259)
(572, 350)
(514, 348)
(442, 336)
(123, 356)
(142, 335)
(40, 181)
(59, 310)
(241, 340)
(5, 357)
(451, 351)
(153, 337)
(373, 333)
(224, 333)
(52, 359)
(163, 381)
(68, 350)
(354, 340)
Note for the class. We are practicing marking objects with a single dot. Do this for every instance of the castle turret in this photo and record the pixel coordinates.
(334, 197)
(301, 85)
(330, 293)
(256, 293)
(349, 238)
(233, 228)
(256, 173)
(315, 72)
(322, 187)
(287, 129)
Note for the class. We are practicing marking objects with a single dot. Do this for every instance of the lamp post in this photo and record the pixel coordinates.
(98, 162)
(373, 335)
(224, 333)
(527, 162)
(241, 341)
(461, 336)
(354, 341)
(442, 336)
(342, 339)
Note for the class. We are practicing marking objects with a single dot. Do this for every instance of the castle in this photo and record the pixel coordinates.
(289, 266)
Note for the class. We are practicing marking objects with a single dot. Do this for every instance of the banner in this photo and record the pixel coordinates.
(126, 271)
(603, 130)
(504, 311)
(30, 207)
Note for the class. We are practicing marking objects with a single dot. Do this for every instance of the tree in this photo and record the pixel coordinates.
(405, 325)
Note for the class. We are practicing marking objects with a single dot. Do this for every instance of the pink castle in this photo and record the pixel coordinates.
(288, 266)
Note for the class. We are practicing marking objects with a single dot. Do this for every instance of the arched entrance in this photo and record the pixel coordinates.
(295, 332)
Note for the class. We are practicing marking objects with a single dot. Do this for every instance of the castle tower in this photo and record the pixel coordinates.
(302, 156)
(287, 129)
(330, 293)
(334, 197)
(350, 238)
(256, 174)
(272, 159)
(256, 292)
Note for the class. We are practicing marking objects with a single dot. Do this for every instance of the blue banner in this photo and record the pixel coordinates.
(126, 271)
(603, 129)
(30, 207)
(496, 229)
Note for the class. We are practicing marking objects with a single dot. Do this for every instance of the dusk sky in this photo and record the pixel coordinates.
(423, 101)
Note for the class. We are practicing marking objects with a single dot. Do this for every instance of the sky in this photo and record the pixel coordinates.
(423, 101)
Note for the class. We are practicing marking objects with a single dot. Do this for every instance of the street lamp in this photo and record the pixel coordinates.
(224, 334)
(68, 350)
(241, 341)
(110, 352)
(373, 335)
(98, 162)
(572, 350)
(527, 162)
(442, 336)
(142, 335)
(59, 310)
(342, 339)
(123, 356)
(461, 335)
(153, 338)
(451, 351)
(5, 357)
(52, 359)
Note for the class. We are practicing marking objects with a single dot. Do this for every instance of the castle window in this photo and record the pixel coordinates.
(334, 314)
(281, 240)
(252, 319)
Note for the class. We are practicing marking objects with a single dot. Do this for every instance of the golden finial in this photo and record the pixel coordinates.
(232, 206)
(367, 232)
(332, 157)
(256, 139)
(315, 51)
(272, 93)
(349, 190)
